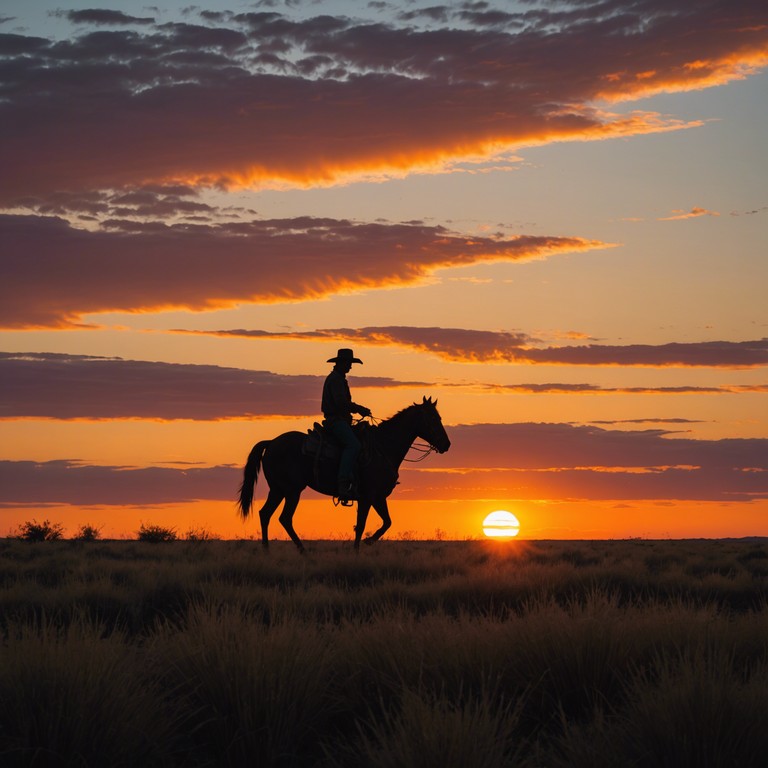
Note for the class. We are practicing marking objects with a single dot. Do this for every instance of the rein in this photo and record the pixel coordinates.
(423, 448)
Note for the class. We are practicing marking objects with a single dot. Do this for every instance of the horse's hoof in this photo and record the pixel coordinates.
(370, 540)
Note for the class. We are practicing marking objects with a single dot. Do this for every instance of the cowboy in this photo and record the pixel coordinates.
(338, 409)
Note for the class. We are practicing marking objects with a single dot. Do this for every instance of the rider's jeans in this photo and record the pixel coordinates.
(343, 431)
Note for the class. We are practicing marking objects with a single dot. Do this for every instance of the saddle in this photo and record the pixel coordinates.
(321, 445)
(320, 442)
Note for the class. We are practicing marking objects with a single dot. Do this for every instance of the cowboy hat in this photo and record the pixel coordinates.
(345, 356)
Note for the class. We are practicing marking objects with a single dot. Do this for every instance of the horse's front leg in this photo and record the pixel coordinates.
(380, 505)
(362, 516)
(286, 518)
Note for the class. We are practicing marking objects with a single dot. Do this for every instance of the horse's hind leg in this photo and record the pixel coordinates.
(265, 514)
(380, 505)
(286, 518)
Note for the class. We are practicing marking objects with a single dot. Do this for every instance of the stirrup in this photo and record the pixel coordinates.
(346, 493)
(343, 501)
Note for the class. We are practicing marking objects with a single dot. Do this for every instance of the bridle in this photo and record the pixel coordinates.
(424, 448)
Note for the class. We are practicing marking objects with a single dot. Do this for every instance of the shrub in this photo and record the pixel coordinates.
(156, 533)
(88, 532)
(45, 531)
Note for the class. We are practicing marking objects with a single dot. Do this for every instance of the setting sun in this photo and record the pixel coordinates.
(501, 525)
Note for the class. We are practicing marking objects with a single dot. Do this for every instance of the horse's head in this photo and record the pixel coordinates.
(430, 425)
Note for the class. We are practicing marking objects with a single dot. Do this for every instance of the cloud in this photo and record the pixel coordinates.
(59, 386)
(595, 389)
(54, 273)
(655, 484)
(763, 209)
(527, 461)
(102, 17)
(558, 447)
(70, 482)
(694, 213)
(559, 461)
(262, 99)
(478, 346)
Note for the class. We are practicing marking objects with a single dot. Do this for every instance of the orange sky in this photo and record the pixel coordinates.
(550, 217)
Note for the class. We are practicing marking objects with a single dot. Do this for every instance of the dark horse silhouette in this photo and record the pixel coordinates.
(288, 470)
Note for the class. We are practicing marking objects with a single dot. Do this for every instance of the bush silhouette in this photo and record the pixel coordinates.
(88, 532)
(45, 531)
(156, 533)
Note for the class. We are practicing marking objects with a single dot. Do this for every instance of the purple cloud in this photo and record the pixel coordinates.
(478, 346)
(530, 461)
(59, 386)
(54, 273)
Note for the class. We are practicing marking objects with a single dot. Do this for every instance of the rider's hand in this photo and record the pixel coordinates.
(365, 411)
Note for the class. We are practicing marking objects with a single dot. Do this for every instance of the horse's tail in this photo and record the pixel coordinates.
(250, 476)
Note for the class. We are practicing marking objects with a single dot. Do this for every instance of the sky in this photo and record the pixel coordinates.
(550, 216)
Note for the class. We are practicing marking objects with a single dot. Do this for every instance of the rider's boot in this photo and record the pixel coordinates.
(346, 490)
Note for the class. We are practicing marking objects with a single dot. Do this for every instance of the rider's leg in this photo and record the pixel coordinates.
(350, 452)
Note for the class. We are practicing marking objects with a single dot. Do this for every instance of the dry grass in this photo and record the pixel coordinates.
(208, 653)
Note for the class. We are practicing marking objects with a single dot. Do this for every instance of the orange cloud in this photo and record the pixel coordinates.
(478, 346)
(53, 273)
(262, 99)
(694, 213)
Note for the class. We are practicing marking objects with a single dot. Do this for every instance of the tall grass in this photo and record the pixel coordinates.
(211, 653)
(78, 695)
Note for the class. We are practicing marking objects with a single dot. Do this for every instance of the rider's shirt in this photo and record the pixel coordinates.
(337, 401)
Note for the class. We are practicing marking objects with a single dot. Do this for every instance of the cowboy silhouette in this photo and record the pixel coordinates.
(337, 409)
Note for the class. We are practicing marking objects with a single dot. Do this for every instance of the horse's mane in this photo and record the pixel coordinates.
(402, 413)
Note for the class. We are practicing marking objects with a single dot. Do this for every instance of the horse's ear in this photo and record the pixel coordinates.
(426, 400)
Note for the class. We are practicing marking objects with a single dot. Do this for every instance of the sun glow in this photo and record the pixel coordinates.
(501, 525)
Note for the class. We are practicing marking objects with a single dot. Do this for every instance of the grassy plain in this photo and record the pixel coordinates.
(449, 654)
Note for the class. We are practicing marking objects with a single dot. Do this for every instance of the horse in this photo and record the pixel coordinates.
(288, 470)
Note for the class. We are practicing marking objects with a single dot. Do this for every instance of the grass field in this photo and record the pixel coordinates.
(614, 653)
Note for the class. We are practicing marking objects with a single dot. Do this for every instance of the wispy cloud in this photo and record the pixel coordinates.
(695, 213)
(103, 17)
(762, 209)
(596, 389)
(478, 346)
(262, 99)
